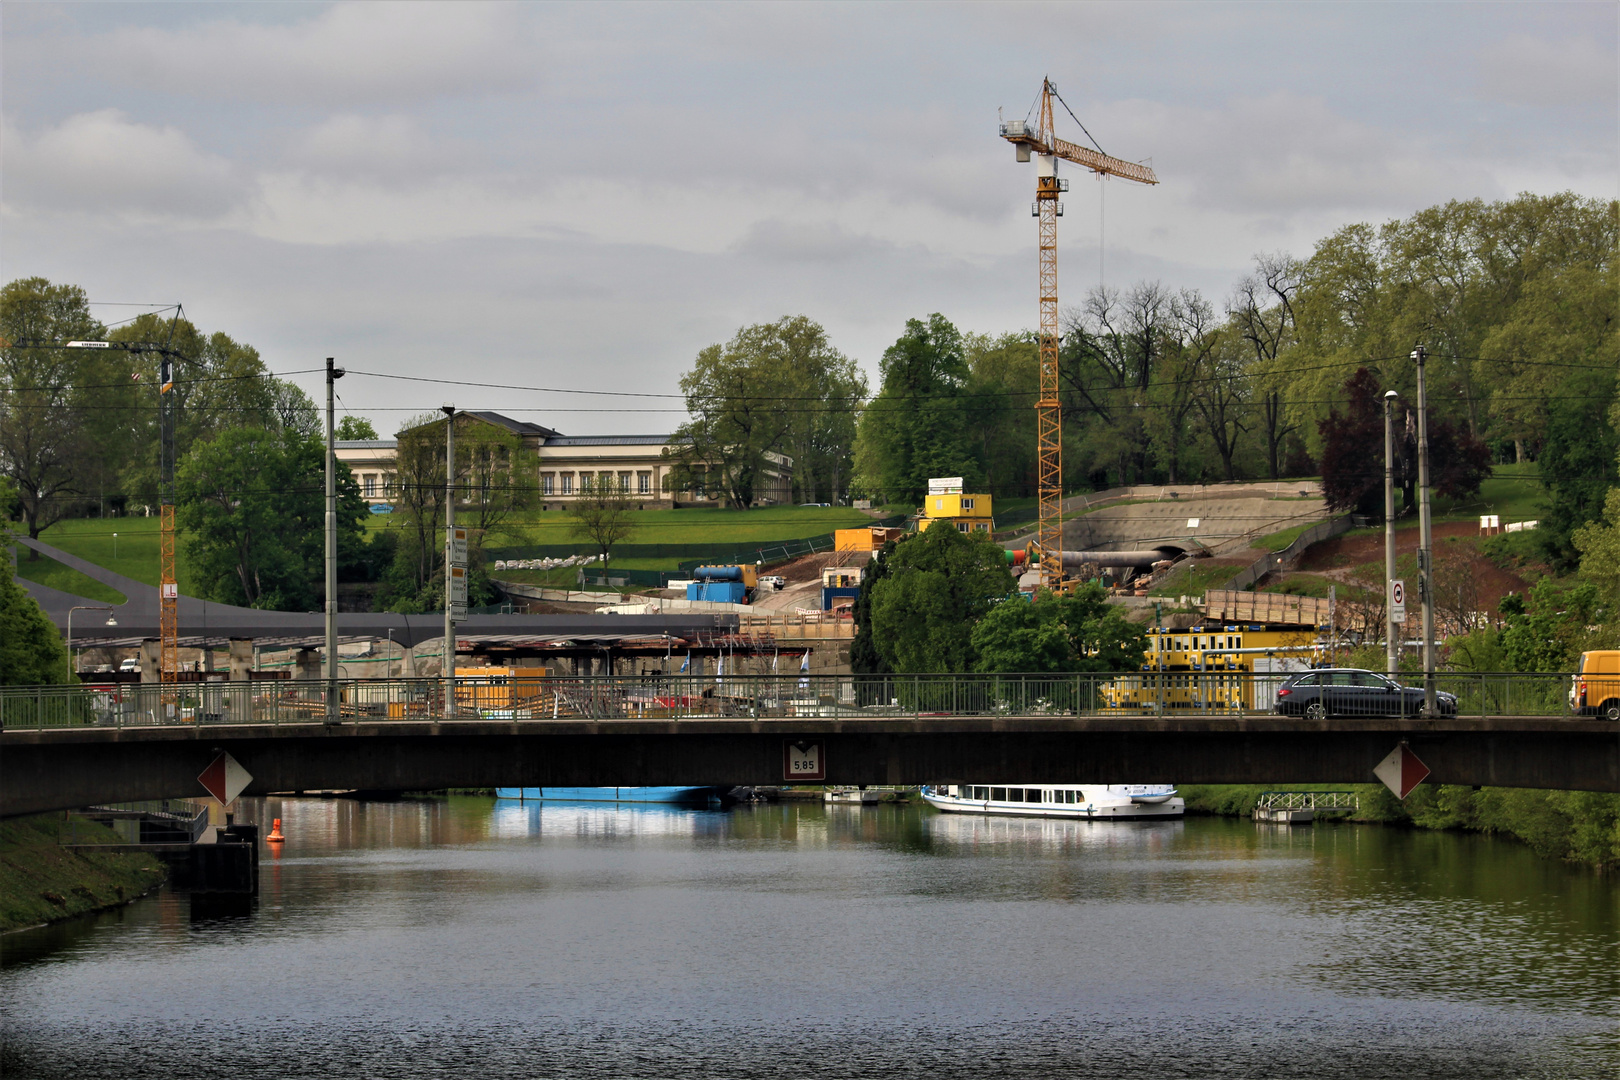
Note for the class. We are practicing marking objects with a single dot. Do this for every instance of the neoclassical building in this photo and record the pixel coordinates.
(570, 464)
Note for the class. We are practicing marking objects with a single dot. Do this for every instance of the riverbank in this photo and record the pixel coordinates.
(1576, 826)
(41, 881)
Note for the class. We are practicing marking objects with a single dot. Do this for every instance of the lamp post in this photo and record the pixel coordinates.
(449, 651)
(73, 660)
(333, 374)
(1391, 646)
(1425, 537)
(390, 652)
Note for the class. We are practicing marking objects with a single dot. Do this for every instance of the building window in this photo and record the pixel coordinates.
(644, 483)
(624, 481)
(548, 482)
(967, 504)
(371, 485)
(388, 483)
(567, 483)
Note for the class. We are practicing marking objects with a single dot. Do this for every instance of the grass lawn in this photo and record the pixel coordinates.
(133, 553)
(692, 526)
(1277, 541)
(1192, 578)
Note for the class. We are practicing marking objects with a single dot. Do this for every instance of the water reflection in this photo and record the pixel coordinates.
(429, 938)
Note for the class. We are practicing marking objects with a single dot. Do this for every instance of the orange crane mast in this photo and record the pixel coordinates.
(1040, 140)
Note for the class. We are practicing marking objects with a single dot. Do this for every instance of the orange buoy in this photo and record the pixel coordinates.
(275, 836)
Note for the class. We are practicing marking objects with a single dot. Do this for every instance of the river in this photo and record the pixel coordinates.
(472, 937)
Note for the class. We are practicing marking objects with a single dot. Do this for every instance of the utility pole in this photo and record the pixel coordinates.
(1425, 536)
(449, 651)
(333, 374)
(1391, 645)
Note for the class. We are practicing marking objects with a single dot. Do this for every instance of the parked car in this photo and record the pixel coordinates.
(775, 581)
(1326, 692)
(129, 663)
(1595, 690)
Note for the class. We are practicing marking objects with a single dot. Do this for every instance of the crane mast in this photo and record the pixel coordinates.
(1041, 141)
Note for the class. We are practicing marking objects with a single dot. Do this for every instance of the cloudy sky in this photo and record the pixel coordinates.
(582, 196)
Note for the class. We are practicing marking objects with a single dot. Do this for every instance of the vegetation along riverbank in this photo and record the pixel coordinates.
(41, 881)
(1577, 826)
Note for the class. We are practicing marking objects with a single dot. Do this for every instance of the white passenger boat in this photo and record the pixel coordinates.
(1098, 802)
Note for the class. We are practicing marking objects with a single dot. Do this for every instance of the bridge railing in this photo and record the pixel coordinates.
(689, 696)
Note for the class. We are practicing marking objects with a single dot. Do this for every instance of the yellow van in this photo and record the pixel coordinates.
(1595, 690)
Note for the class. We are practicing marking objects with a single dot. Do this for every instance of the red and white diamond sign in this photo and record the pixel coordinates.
(1401, 771)
(225, 778)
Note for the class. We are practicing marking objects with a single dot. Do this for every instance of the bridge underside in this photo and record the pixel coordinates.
(55, 770)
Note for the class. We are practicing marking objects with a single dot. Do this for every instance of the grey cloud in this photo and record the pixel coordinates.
(349, 53)
(1574, 73)
(779, 240)
(101, 163)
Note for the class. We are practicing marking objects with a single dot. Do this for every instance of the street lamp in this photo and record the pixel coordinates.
(84, 607)
(1392, 654)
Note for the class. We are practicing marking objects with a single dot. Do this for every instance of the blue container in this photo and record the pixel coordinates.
(828, 595)
(725, 592)
(718, 573)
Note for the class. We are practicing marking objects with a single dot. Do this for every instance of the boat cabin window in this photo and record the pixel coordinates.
(1034, 795)
(998, 794)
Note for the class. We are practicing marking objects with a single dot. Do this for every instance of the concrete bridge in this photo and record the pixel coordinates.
(70, 766)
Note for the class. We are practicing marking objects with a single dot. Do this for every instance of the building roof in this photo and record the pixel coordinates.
(366, 444)
(517, 427)
(607, 440)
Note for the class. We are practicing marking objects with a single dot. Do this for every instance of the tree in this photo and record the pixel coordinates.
(1078, 632)
(773, 388)
(916, 427)
(1352, 448)
(46, 429)
(1263, 312)
(355, 428)
(1599, 545)
(604, 514)
(865, 658)
(496, 475)
(938, 585)
(251, 503)
(32, 652)
(1577, 463)
(1000, 402)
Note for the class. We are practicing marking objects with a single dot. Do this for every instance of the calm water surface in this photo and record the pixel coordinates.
(489, 939)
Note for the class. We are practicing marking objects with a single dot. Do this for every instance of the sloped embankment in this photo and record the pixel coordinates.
(41, 881)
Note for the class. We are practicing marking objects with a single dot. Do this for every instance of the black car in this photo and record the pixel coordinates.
(1352, 692)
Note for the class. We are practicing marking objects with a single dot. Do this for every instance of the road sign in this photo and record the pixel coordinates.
(1397, 601)
(458, 611)
(1401, 771)
(458, 547)
(803, 761)
(171, 591)
(224, 778)
(458, 585)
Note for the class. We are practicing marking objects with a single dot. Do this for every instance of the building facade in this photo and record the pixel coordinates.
(572, 464)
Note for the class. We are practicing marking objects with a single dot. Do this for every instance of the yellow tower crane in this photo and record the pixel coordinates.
(1040, 139)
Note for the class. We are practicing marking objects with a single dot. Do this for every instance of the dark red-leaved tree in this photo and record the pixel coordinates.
(1353, 448)
(1353, 453)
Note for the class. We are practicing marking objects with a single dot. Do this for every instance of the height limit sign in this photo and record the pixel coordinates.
(803, 761)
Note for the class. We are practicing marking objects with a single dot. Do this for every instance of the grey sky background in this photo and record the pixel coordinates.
(583, 196)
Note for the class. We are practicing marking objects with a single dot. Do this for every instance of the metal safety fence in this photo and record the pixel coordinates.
(694, 694)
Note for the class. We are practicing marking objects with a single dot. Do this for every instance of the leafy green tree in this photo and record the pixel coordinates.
(1545, 631)
(47, 419)
(355, 428)
(1078, 632)
(251, 504)
(1577, 464)
(865, 658)
(774, 388)
(917, 426)
(1599, 545)
(496, 476)
(1000, 400)
(603, 513)
(32, 652)
(937, 586)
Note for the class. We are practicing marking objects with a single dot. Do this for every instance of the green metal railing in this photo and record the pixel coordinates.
(688, 695)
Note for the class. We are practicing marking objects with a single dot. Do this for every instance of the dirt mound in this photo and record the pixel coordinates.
(1454, 542)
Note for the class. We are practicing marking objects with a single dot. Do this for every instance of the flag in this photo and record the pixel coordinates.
(804, 671)
(687, 663)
